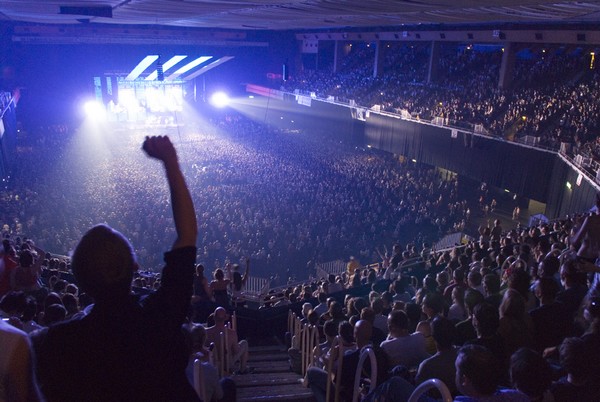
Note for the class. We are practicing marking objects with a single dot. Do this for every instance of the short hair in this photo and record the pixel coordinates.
(330, 328)
(103, 262)
(359, 304)
(530, 373)
(459, 274)
(346, 331)
(492, 283)
(52, 298)
(435, 302)
(574, 357)
(367, 314)
(13, 302)
(475, 278)
(547, 287)
(413, 312)
(472, 298)
(54, 313)
(479, 365)
(377, 305)
(387, 297)
(398, 319)
(25, 258)
(197, 336)
(443, 332)
(322, 297)
(487, 318)
(335, 309)
(512, 305)
(70, 302)
(551, 265)
(313, 317)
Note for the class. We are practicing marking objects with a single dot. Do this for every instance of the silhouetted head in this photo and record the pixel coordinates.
(103, 263)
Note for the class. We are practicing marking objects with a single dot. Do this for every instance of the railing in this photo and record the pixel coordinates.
(591, 177)
(449, 241)
(336, 267)
(255, 285)
(463, 126)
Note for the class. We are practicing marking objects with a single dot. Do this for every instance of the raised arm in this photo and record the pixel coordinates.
(580, 234)
(184, 215)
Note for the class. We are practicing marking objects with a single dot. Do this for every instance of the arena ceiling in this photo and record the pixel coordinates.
(296, 14)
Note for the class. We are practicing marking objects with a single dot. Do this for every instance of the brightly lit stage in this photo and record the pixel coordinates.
(152, 93)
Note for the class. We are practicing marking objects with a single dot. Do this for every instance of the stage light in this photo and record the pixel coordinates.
(188, 67)
(166, 67)
(94, 110)
(219, 99)
(144, 64)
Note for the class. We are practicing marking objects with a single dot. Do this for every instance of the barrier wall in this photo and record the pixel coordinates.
(533, 173)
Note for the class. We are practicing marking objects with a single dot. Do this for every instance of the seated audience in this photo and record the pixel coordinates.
(440, 365)
(577, 385)
(465, 331)
(476, 379)
(236, 352)
(552, 322)
(402, 347)
(531, 374)
(216, 389)
(317, 378)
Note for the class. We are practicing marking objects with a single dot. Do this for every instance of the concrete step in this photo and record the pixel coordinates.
(275, 393)
(268, 349)
(265, 367)
(268, 357)
(267, 379)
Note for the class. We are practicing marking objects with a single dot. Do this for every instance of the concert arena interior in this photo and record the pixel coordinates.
(300, 201)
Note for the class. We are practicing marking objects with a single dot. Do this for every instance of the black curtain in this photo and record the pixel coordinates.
(522, 170)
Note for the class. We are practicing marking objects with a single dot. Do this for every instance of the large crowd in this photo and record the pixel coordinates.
(550, 98)
(282, 199)
(524, 303)
(513, 315)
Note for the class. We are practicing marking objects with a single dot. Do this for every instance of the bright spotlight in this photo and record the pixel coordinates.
(219, 99)
(94, 109)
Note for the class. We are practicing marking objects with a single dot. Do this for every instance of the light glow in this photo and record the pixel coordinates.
(219, 100)
(94, 110)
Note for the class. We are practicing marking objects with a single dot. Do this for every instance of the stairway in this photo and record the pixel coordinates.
(272, 379)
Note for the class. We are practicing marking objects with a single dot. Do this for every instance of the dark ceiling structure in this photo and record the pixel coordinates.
(296, 14)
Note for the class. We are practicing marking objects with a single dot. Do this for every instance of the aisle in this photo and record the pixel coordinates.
(271, 379)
